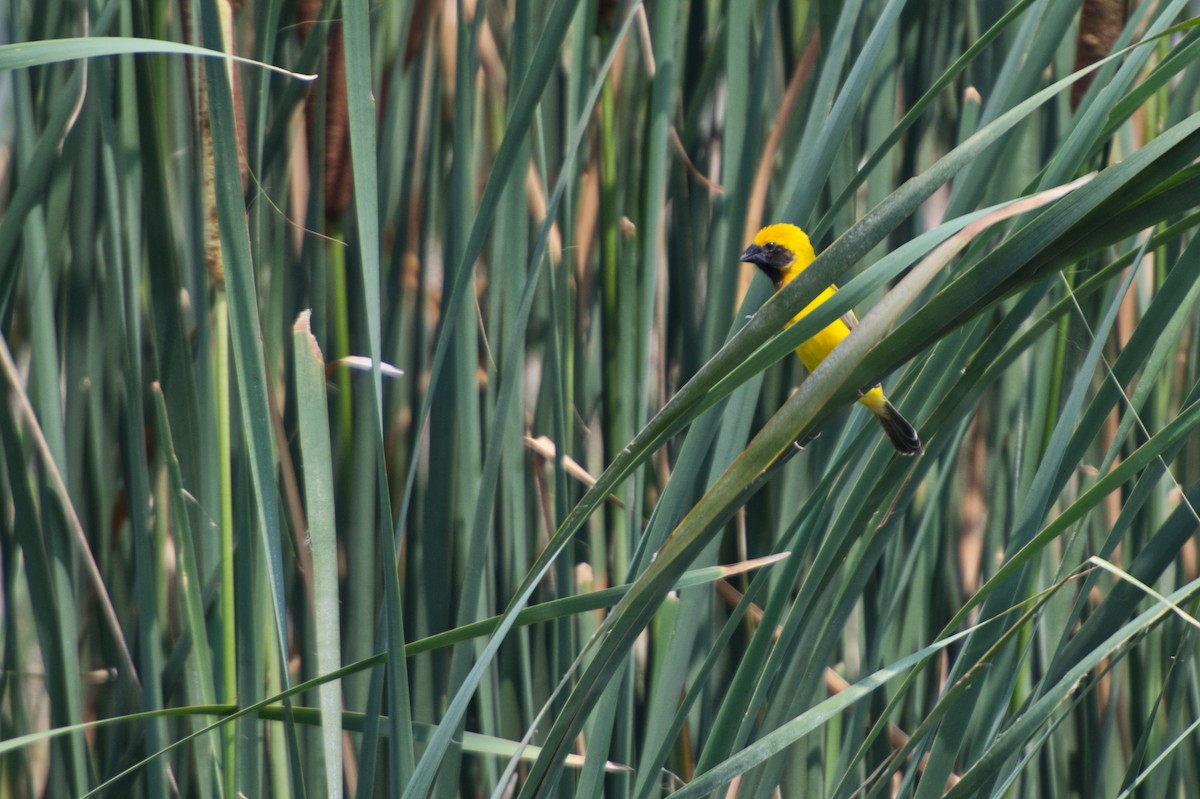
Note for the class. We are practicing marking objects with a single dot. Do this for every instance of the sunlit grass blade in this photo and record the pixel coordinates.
(313, 420)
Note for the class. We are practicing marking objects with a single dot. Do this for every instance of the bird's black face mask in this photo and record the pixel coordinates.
(771, 258)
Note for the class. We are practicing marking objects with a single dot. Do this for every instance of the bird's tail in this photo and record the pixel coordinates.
(904, 438)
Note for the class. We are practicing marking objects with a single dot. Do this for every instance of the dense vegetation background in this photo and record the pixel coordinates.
(217, 495)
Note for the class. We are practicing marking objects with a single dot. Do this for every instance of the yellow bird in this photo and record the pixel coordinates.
(782, 252)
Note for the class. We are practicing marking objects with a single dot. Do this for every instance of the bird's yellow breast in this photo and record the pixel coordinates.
(813, 351)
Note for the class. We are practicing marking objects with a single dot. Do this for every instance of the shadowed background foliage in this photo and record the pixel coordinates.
(382, 433)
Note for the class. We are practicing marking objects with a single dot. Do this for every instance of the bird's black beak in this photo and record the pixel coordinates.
(754, 255)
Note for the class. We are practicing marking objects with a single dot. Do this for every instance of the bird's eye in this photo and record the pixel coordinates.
(769, 246)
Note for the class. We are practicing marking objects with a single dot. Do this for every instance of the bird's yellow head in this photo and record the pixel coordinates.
(780, 251)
